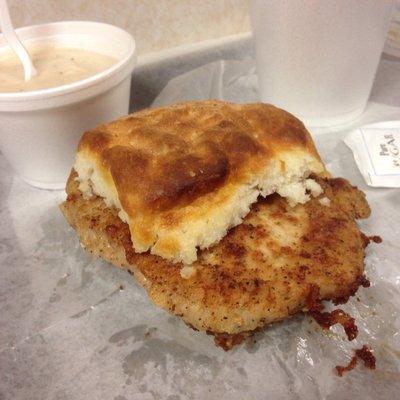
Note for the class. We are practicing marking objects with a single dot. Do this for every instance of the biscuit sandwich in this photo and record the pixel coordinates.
(223, 212)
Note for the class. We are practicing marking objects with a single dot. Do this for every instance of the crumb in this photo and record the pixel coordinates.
(313, 187)
(351, 365)
(338, 316)
(325, 201)
(188, 272)
(375, 239)
(150, 331)
(365, 354)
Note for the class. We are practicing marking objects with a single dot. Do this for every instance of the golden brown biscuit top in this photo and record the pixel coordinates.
(166, 157)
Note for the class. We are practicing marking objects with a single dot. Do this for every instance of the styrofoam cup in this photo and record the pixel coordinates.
(40, 130)
(317, 59)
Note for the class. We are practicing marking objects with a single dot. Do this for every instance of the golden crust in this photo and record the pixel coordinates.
(162, 158)
(174, 165)
(261, 272)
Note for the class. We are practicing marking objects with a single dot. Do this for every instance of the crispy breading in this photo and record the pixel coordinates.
(262, 271)
(182, 175)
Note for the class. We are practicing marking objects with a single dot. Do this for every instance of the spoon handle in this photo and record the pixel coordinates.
(13, 41)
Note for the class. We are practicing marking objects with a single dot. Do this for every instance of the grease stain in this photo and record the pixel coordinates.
(54, 298)
(151, 353)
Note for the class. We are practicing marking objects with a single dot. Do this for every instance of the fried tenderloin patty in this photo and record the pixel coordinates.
(262, 271)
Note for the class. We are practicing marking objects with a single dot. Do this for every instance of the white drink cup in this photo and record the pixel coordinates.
(317, 58)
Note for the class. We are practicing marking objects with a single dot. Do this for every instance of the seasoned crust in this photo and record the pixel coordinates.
(261, 272)
(168, 169)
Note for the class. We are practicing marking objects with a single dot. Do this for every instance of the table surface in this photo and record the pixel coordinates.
(68, 331)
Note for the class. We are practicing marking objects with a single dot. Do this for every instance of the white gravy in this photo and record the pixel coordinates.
(55, 66)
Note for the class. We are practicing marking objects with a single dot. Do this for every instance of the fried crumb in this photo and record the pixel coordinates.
(375, 239)
(365, 354)
(351, 365)
(228, 341)
(327, 319)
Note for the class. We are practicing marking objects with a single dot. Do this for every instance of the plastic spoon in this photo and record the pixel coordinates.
(13, 41)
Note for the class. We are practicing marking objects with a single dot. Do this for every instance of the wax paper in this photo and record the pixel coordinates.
(74, 327)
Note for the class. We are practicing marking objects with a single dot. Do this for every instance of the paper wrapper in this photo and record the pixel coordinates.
(68, 330)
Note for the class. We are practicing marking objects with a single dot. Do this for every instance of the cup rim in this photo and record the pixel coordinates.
(76, 85)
